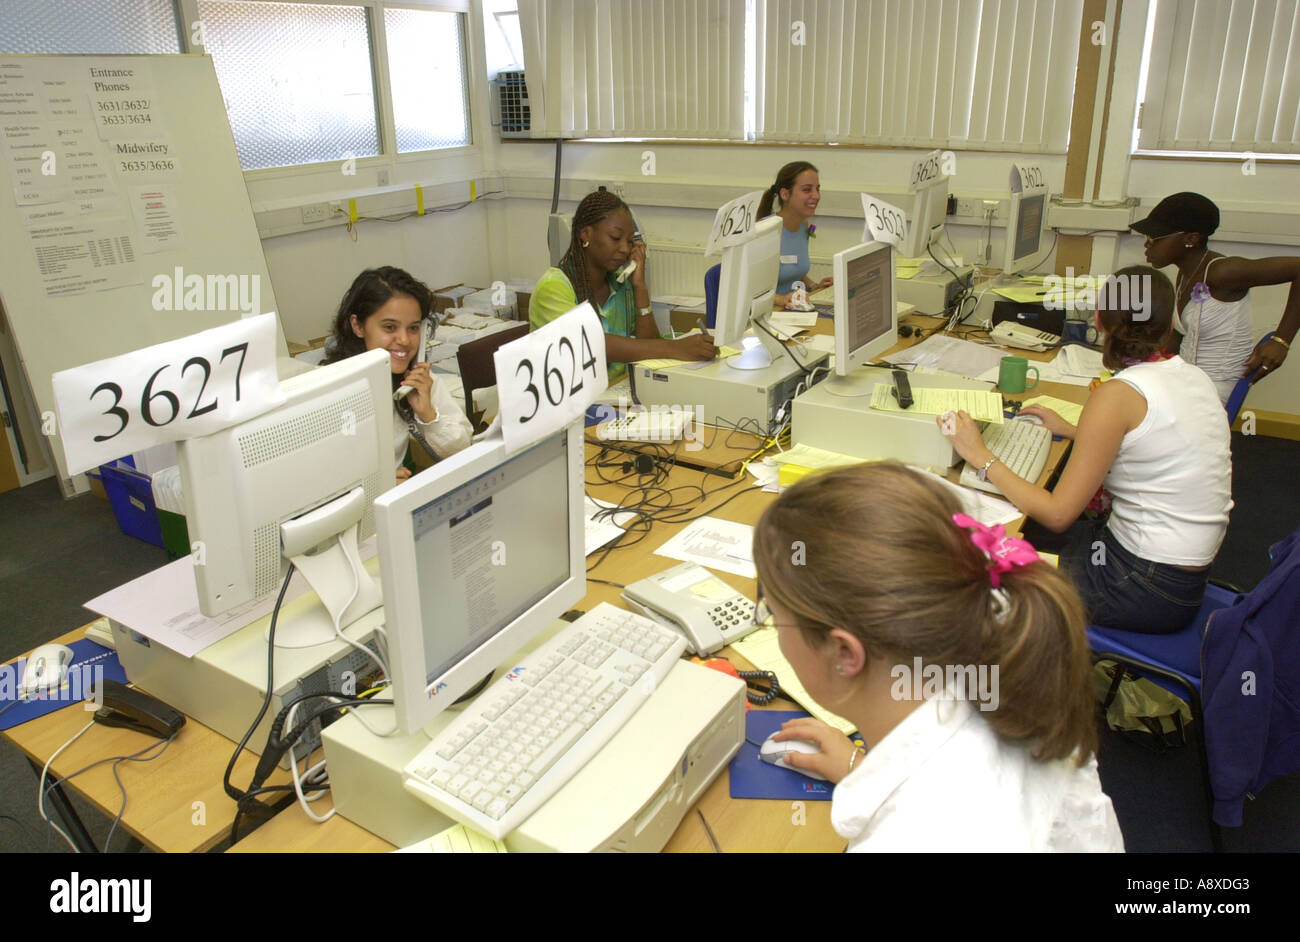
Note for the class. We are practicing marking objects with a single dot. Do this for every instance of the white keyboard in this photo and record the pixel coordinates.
(525, 736)
(1021, 446)
(648, 425)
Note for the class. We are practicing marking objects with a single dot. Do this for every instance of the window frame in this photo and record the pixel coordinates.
(380, 77)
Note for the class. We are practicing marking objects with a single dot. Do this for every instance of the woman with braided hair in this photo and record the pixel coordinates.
(603, 241)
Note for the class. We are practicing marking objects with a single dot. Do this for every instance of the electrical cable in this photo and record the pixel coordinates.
(40, 787)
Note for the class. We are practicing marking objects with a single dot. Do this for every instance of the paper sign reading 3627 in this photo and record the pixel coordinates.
(548, 378)
(164, 393)
(733, 221)
(885, 222)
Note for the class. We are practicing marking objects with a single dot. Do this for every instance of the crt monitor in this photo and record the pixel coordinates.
(479, 554)
(929, 188)
(866, 317)
(302, 473)
(747, 285)
(1024, 228)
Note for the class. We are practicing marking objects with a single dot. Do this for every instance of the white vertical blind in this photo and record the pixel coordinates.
(992, 74)
(1224, 75)
(635, 68)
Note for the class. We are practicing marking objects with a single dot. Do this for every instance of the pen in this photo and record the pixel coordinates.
(700, 323)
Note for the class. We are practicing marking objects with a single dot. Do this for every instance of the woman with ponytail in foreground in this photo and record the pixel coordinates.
(1153, 444)
(957, 654)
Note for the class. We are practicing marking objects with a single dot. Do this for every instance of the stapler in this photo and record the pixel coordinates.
(133, 709)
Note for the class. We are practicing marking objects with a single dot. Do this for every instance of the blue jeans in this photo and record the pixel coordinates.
(1124, 591)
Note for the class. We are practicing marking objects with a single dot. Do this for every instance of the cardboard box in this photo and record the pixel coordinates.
(450, 296)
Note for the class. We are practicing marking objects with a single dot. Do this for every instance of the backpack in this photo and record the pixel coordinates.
(1139, 709)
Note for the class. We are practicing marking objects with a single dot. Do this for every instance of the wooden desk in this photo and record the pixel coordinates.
(161, 810)
(175, 803)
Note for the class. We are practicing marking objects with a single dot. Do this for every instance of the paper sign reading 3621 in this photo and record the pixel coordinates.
(548, 378)
(164, 393)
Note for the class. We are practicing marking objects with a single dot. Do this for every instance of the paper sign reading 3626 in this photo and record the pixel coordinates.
(164, 393)
(885, 222)
(548, 378)
(733, 221)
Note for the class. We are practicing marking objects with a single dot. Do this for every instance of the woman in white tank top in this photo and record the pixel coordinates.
(1156, 440)
(1212, 291)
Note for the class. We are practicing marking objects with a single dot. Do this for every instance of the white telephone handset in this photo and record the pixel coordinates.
(696, 603)
(421, 354)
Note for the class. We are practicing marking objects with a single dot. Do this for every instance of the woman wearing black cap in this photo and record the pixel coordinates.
(1213, 292)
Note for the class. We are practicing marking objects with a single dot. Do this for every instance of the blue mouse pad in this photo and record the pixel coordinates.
(751, 777)
(90, 662)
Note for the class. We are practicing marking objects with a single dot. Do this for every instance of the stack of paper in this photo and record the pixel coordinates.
(983, 406)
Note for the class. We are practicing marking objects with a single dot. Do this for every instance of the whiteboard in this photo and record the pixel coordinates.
(126, 222)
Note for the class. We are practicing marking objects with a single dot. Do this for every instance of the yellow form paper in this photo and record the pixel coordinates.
(1070, 411)
(667, 364)
(457, 839)
(983, 406)
(764, 652)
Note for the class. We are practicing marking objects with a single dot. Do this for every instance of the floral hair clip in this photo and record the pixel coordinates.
(1004, 552)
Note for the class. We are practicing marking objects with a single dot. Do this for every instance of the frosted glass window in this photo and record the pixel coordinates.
(296, 79)
(89, 27)
(426, 67)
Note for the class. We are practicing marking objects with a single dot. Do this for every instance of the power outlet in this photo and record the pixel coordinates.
(382, 176)
(315, 212)
(616, 187)
(976, 209)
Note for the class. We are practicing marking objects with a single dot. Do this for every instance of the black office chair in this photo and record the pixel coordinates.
(478, 368)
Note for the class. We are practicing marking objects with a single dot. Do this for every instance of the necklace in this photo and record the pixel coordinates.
(1178, 284)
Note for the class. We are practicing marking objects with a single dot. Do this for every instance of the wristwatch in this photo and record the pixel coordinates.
(983, 473)
(645, 311)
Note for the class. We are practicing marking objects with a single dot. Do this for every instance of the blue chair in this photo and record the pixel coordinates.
(1243, 385)
(1172, 661)
(711, 279)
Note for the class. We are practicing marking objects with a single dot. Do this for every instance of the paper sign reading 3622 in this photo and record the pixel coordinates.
(164, 393)
(548, 378)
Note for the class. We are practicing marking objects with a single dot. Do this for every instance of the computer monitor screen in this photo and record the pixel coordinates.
(1024, 230)
(747, 282)
(929, 206)
(332, 434)
(479, 554)
(865, 314)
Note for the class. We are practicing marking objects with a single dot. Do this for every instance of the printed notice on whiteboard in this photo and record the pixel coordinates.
(81, 254)
(123, 99)
(155, 213)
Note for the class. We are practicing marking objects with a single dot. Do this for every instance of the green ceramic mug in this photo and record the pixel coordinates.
(1013, 373)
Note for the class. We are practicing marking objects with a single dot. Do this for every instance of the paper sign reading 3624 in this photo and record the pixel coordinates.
(167, 392)
(548, 378)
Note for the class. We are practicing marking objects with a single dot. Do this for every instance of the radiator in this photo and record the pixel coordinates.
(678, 268)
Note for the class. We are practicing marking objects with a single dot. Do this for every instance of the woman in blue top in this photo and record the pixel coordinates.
(602, 242)
(799, 191)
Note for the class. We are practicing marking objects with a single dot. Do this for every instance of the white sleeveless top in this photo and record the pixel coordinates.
(1171, 483)
(1218, 336)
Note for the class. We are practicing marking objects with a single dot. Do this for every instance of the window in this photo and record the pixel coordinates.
(1222, 76)
(426, 65)
(89, 27)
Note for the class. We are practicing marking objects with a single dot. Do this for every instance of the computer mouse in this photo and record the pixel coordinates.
(774, 753)
(1021, 417)
(46, 669)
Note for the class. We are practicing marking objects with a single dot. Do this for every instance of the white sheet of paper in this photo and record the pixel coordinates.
(600, 532)
(950, 355)
(163, 605)
(155, 209)
(88, 253)
(762, 649)
(984, 507)
(716, 544)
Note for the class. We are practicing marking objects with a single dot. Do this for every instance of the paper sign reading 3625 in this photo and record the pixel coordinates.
(164, 393)
(548, 378)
